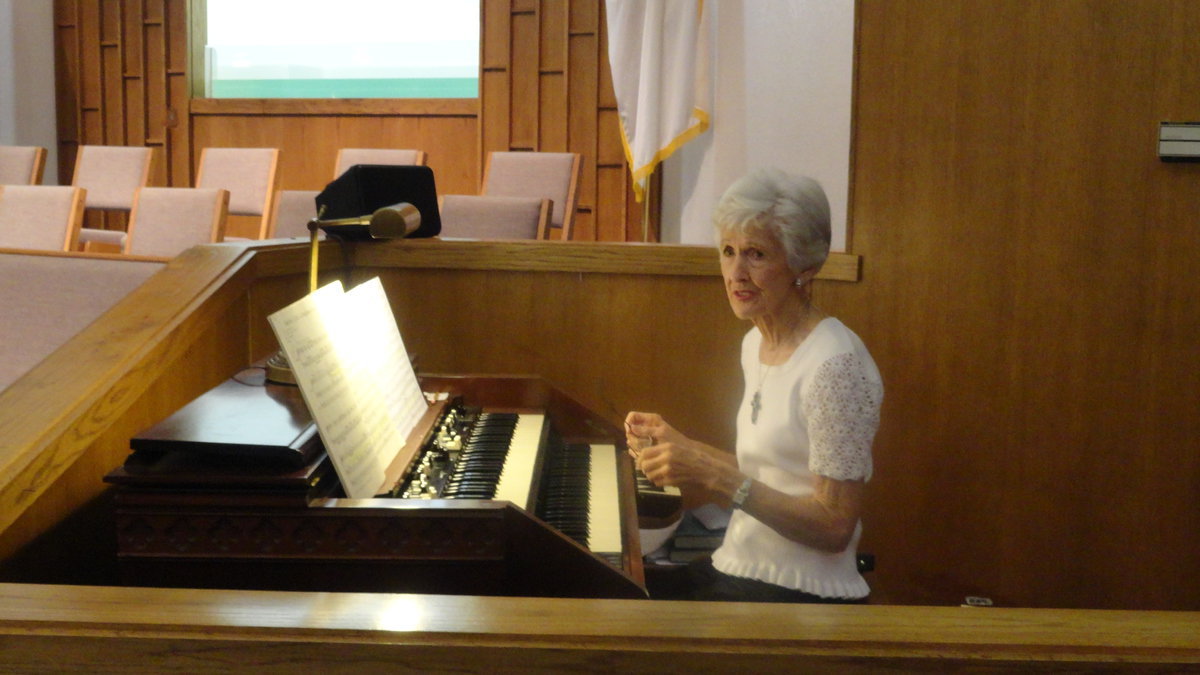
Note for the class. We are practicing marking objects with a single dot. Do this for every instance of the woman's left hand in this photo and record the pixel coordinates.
(667, 457)
(680, 464)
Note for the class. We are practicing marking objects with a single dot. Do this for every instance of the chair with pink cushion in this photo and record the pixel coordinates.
(167, 221)
(488, 217)
(348, 157)
(40, 217)
(112, 175)
(250, 175)
(22, 164)
(292, 211)
(546, 175)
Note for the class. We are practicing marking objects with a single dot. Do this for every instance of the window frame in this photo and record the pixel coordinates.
(197, 17)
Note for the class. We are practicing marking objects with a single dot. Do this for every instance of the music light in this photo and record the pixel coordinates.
(387, 202)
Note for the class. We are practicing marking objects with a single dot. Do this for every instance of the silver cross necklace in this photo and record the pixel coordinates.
(756, 401)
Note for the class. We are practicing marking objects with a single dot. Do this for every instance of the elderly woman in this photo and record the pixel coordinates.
(807, 419)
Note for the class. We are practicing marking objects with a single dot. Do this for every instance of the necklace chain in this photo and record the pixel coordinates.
(756, 401)
(763, 369)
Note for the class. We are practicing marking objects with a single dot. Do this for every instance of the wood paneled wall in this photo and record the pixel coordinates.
(544, 85)
(1029, 291)
(310, 132)
(122, 80)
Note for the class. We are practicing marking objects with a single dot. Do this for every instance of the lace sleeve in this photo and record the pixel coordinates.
(842, 408)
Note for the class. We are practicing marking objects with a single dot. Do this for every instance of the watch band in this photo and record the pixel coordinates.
(742, 493)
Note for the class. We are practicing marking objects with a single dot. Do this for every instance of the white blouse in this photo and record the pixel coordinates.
(819, 414)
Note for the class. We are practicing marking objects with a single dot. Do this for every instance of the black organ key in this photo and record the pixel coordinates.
(563, 502)
(482, 457)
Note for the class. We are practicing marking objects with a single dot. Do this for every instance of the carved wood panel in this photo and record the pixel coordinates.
(393, 534)
(122, 80)
(545, 85)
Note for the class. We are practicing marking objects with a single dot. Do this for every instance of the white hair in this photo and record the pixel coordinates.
(793, 207)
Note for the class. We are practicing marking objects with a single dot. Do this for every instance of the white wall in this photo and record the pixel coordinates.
(27, 101)
(782, 91)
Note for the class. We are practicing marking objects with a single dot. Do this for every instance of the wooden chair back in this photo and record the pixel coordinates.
(550, 175)
(488, 217)
(250, 175)
(348, 157)
(167, 221)
(292, 211)
(22, 164)
(112, 175)
(41, 217)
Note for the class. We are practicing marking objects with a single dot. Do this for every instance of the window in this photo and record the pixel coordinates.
(342, 49)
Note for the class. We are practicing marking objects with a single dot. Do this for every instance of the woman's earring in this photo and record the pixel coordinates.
(800, 282)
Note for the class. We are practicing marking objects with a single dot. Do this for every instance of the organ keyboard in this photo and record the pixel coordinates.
(518, 490)
(500, 459)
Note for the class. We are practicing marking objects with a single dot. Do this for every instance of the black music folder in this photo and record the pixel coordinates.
(245, 419)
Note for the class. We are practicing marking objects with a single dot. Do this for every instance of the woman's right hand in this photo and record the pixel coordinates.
(643, 429)
(665, 456)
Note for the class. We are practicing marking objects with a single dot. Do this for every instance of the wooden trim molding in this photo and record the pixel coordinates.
(77, 628)
(555, 256)
(362, 107)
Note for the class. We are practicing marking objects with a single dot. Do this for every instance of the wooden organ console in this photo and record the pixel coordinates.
(506, 487)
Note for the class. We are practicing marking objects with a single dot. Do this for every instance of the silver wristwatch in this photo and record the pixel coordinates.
(742, 493)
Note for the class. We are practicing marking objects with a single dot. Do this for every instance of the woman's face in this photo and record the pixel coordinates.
(758, 281)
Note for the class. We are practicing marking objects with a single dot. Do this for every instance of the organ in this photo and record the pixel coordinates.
(507, 487)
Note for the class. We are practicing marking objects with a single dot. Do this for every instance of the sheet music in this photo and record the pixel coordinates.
(355, 377)
(376, 327)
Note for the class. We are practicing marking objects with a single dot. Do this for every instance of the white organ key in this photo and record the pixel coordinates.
(604, 507)
(517, 475)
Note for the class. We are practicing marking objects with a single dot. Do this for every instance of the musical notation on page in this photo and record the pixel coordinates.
(355, 376)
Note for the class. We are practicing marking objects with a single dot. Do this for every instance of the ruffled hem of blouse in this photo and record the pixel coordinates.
(846, 589)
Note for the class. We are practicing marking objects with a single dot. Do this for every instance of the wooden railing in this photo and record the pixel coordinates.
(79, 629)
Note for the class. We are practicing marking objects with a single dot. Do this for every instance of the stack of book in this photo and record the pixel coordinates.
(695, 539)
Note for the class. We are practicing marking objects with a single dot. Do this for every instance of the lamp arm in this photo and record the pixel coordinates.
(389, 222)
(313, 246)
(313, 226)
